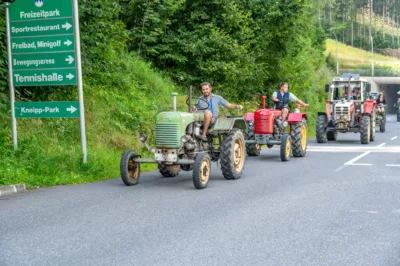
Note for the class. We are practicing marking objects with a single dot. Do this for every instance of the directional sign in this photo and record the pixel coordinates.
(35, 61)
(42, 43)
(41, 27)
(38, 77)
(46, 109)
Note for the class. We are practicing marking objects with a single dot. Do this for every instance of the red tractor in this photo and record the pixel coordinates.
(265, 127)
(348, 109)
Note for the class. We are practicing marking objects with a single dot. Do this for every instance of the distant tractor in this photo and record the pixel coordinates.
(265, 127)
(397, 106)
(177, 147)
(349, 109)
(381, 117)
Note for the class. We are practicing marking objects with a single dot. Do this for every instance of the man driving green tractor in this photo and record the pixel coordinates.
(214, 101)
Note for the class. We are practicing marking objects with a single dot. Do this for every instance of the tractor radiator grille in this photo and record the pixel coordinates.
(167, 136)
(342, 110)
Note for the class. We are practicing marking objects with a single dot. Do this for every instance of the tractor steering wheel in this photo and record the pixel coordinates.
(197, 105)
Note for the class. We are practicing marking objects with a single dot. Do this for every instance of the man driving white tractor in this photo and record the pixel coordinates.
(282, 98)
(214, 101)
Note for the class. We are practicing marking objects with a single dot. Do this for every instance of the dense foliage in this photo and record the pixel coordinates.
(243, 47)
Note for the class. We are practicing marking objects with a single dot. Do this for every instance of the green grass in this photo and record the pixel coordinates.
(350, 57)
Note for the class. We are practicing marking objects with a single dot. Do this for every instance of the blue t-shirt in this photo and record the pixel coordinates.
(215, 102)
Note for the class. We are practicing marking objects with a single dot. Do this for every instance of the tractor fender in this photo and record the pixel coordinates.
(296, 117)
(322, 113)
(229, 123)
(249, 117)
(368, 106)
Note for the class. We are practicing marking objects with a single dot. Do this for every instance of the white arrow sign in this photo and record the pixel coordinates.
(70, 59)
(67, 42)
(66, 26)
(71, 109)
(70, 76)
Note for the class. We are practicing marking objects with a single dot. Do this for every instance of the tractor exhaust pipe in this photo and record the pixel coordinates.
(174, 101)
(263, 101)
(190, 98)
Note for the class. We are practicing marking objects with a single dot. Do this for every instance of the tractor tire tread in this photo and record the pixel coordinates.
(321, 129)
(226, 155)
(296, 136)
(365, 130)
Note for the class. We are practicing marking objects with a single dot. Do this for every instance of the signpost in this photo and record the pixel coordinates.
(44, 50)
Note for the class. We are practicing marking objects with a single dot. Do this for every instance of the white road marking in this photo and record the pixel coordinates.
(371, 212)
(395, 137)
(340, 168)
(381, 145)
(393, 165)
(357, 158)
(361, 164)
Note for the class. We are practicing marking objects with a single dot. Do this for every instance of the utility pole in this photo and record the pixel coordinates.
(370, 38)
(337, 60)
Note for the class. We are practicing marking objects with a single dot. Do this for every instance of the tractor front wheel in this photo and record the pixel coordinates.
(169, 170)
(373, 127)
(321, 129)
(252, 149)
(331, 135)
(382, 126)
(299, 139)
(201, 170)
(129, 169)
(232, 154)
(285, 147)
(365, 129)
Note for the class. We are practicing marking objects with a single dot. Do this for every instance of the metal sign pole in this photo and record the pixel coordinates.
(11, 83)
(79, 79)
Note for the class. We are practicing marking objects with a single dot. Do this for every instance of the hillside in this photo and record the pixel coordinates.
(354, 58)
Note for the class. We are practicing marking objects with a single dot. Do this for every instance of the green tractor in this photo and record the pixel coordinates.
(178, 148)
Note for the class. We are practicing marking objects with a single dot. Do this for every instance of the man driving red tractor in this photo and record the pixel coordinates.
(282, 98)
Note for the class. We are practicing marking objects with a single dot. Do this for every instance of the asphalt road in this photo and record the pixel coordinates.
(340, 205)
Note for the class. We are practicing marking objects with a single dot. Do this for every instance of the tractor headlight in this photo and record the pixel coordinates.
(185, 139)
(143, 137)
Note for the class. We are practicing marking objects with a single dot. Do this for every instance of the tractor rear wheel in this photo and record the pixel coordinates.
(286, 145)
(169, 170)
(299, 139)
(232, 154)
(130, 170)
(398, 117)
(321, 129)
(365, 129)
(252, 149)
(201, 170)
